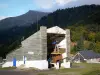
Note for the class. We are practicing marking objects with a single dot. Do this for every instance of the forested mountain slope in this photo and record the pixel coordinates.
(84, 22)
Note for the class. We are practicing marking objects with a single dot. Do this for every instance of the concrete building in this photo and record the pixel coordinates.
(37, 49)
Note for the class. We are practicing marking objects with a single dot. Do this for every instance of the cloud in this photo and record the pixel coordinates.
(63, 2)
(3, 17)
(82, 2)
(51, 5)
(45, 4)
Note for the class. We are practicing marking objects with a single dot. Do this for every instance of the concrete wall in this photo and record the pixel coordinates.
(43, 43)
(34, 48)
(36, 64)
(67, 36)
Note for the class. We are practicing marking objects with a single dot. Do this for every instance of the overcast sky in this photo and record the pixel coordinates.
(17, 7)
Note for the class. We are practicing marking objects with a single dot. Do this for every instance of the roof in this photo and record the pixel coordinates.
(89, 54)
(62, 44)
(56, 30)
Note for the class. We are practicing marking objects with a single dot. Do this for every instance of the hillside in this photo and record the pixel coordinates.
(22, 20)
(83, 22)
(87, 14)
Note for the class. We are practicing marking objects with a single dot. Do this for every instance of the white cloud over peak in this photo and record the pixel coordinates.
(45, 4)
(51, 5)
(2, 17)
(63, 2)
(48, 4)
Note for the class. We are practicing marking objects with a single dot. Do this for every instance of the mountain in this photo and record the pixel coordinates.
(82, 21)
(87, 14)
(22, 20)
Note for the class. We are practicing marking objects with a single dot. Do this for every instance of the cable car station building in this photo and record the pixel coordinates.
(42, 49)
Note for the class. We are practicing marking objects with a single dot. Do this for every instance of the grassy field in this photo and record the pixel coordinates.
(77, 69)
(7, 68)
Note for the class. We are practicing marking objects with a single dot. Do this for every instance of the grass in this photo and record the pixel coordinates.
(94, 72)
(7, 68)
(77, 69)
(42, 74)
(82, 68)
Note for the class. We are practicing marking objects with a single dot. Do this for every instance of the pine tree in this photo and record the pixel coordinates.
(91, 46)
(80, 44)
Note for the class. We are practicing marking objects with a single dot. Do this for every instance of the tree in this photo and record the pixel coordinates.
(91, 46)
(97, 47)
(74, 49)
(97, 37)
(80, 44)
(77, 32)
(91, 36)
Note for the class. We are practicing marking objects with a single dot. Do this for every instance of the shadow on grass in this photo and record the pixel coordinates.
(94, 72)
(42, 74)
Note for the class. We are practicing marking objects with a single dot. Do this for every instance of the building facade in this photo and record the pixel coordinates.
(33, 52)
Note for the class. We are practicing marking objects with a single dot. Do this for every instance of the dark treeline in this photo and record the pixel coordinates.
(84, 22)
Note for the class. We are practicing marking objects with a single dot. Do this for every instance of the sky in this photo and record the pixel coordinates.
(11, 8)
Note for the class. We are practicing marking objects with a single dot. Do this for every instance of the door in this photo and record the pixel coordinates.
(14, 62)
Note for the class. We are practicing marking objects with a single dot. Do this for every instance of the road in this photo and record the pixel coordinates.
(9, 72)
(6, 72)
(23, 72)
